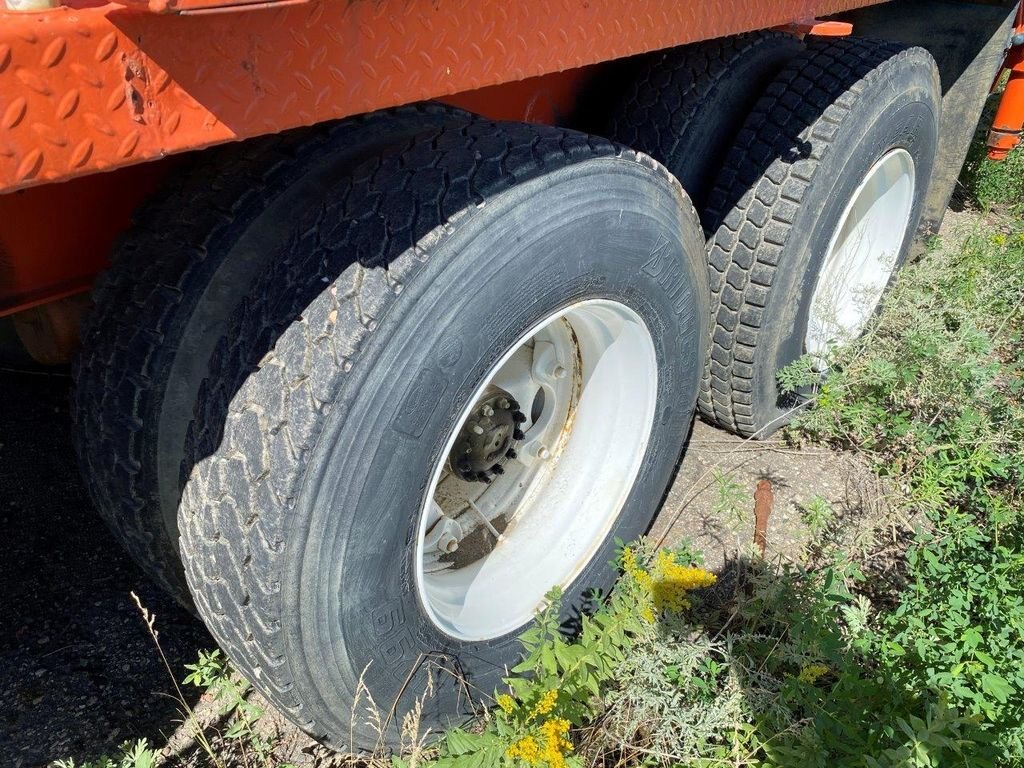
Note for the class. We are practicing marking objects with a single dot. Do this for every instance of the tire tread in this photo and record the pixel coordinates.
(804, 107)
(367, 244)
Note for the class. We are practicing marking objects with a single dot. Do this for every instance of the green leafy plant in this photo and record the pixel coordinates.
(561, 681)
(732, 500)
(131, 754)
(817, 514)
(214, 675)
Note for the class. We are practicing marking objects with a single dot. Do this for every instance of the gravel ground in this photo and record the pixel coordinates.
(78, 670)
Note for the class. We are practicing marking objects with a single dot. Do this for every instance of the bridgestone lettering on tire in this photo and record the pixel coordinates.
(341, 381)
(809, 145)
(177, 275)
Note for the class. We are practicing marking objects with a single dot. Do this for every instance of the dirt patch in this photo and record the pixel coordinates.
(711, 503)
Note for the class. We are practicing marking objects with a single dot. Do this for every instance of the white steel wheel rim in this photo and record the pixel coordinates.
(556, 502)
(862, 255)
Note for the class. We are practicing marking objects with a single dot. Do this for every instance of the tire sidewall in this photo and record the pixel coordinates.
(875, 127)
(597, 229)
(240, 253)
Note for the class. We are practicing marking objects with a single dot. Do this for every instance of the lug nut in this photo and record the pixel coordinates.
(518, 434)
(504, 404)
(543, 453)
(518, 417)
(559, 372)
(447, 544)
(487, 410)
(477, 429)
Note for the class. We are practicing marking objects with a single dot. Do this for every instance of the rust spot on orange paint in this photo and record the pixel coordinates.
(136, 83)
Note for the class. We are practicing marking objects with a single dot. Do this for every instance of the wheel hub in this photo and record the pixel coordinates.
(487, 438)
(538, 468)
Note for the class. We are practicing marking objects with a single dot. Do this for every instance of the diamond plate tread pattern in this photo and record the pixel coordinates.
(96, 87)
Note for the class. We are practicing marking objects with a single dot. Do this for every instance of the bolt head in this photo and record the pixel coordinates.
(559, 372)
(477, 429)
(544, 454)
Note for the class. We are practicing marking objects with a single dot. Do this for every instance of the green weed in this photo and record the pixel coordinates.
(732, 500)
(132, 754)
(993, 185)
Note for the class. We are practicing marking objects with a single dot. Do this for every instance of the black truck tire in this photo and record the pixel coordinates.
(175, 278)
(333, 393)
(684, 106)
(831, 122)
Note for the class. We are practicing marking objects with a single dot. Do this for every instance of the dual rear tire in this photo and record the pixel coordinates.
(459, 364)
(541, 287)
(809, 167)
(813, 214)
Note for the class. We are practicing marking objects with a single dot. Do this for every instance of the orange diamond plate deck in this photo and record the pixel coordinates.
(92, 86)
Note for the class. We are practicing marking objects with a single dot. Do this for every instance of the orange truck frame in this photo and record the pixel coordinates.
(259, 415)
(93, 95)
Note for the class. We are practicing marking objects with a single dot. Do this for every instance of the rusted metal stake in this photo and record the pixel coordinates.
(763, 499)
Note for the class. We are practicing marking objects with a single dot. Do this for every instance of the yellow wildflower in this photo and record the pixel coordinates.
(506, 702)
(556, 743)
(525, 749)
(629, 563)
(546, 703)
(811, 672)
(672, 582)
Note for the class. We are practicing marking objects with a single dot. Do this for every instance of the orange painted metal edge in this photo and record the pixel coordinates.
(819, 28)
(93, 87)
(206, 6)
(1008, 123)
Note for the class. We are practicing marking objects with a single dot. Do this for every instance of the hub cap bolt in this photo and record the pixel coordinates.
(447, 544)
